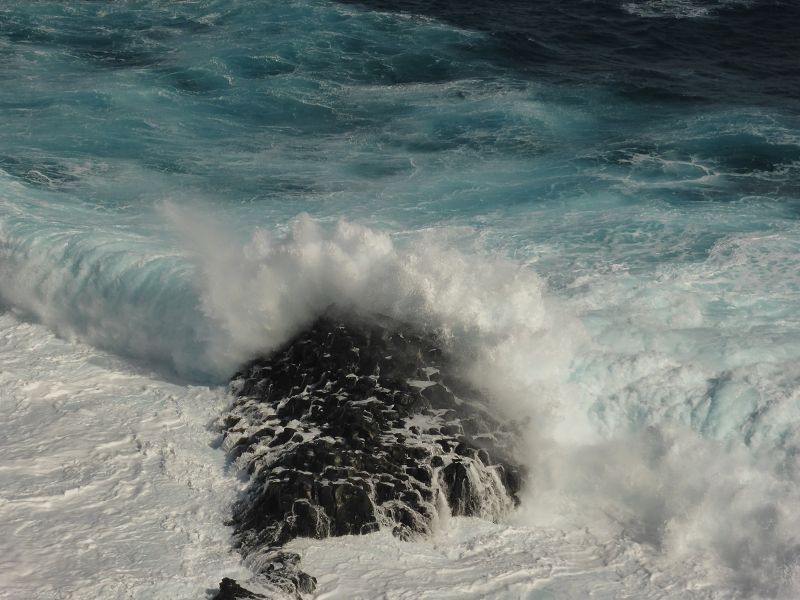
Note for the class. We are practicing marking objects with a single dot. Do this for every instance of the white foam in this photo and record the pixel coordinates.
(690, 386)
(620, 376)
(211, 302)
(109, 487)
(616, 412)
(474, 559)
(259, 294)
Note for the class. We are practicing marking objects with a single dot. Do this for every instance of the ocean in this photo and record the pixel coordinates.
(596, 204)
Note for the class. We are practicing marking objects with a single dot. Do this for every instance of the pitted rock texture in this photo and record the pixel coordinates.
(356, 424)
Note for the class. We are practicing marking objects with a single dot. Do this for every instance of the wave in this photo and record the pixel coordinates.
(202, 302)
(65, 267)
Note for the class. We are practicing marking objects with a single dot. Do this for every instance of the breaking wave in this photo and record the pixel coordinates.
(207, 303)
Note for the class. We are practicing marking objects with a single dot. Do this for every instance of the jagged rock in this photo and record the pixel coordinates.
(230, 590)
(462, 495)
(356, 424)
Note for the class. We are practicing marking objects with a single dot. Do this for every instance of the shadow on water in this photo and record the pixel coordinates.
(742, 53)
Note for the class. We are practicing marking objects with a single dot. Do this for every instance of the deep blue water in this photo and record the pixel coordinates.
(731, 52)
(301, 102)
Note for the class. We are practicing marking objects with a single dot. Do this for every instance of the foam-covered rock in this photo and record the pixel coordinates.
(359, 423)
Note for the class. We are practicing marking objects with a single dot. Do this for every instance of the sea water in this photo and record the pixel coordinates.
(595, 203)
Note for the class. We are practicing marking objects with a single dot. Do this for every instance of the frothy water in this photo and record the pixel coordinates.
(609, 249)
(110, 487)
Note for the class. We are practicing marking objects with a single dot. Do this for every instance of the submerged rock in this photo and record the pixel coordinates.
(352, 426)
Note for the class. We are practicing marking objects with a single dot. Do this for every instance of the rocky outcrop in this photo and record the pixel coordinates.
(230, 590)
(359, 423)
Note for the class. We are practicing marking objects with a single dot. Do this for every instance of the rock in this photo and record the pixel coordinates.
(352, 384)
(230, 590)
(463, 494)
(439, 396)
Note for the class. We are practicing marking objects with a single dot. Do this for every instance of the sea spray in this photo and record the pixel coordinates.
(207, 302)
(217, 302)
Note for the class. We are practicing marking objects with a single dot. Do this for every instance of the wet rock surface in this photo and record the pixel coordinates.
(230, 590)
(358, 423)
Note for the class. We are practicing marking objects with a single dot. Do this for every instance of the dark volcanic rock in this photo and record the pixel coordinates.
(230, 590)
(353, 426)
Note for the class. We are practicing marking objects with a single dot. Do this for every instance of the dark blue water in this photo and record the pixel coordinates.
(730, 52)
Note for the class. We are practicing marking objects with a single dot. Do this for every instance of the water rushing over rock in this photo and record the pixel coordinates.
(358, 423)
